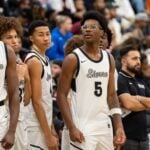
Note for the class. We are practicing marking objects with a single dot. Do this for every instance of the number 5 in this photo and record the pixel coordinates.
(98, 89)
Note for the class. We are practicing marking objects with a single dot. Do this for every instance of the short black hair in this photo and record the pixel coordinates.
(96, 16)
(35, 24)
(128, 48)
(58, 62)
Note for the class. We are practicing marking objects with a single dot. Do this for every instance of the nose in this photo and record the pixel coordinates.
(139, 61)
(15, 40)
(46, 37)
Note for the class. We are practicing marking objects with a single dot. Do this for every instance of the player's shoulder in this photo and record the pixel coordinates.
(71, 57)
(34, 61)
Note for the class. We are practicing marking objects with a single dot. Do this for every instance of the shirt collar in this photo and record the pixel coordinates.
(122, 72)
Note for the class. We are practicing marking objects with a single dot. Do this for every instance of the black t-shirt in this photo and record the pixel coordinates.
(135, 122)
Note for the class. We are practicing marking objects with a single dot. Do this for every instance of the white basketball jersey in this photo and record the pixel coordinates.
(46, 81)
(3, 64)
(89, 89)
(21, 99)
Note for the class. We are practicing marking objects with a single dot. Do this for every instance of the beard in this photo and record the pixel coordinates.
(133, 69)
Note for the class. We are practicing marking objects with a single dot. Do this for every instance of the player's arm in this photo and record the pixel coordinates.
(13, 97)
(35, 71)
(68, 70)
(12, 81)
(27, 95)
(115, 110)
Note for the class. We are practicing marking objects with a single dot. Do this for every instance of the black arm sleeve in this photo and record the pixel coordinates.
(122, 85)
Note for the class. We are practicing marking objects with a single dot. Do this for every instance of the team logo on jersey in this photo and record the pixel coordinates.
(83, 61)
(48, 77)
(141, 86)
(1, 66)
(21, 82)
(94, 74)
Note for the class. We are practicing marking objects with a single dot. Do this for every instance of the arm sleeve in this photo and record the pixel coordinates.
(122, 86)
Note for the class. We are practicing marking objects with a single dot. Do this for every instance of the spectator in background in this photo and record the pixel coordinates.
(148, 6)
(145, 69)
(80, 10)
(138, 30)
(126, 18)
(50, 16)
(57, 118)
(114, 24)
(98, 5)
(145, 75)
(141, 21)
(138, 5)
(134, 97)
(60, 35)
(75, 42)
(60, 5)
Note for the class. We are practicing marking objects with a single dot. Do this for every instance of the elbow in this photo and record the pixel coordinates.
(60, 97)
(127, 106)
(36, 103)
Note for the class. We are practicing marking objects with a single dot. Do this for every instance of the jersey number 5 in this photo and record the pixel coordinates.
(98, 89)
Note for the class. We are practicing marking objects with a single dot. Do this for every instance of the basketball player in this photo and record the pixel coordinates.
(40, 130)
(89, 73)
(8, 73)
(11, 30)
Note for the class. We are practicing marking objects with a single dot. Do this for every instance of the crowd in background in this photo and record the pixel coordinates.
(126, 18)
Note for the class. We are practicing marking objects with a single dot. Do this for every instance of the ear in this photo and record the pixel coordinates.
(31, 38)
(123, 60)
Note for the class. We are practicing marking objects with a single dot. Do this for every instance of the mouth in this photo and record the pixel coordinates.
(15, 46)
(87, 36)
(46, 44)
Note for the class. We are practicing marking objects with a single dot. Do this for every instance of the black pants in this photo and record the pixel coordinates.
(136, 145)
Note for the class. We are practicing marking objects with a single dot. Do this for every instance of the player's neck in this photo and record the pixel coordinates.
(91, 48)
(41, 52)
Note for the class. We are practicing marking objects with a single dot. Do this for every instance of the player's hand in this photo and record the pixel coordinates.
(8, 140)
(119, 138)
(52, 143)
(54, 132)
(76, 135)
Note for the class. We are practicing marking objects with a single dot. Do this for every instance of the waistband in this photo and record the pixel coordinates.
(2, 102)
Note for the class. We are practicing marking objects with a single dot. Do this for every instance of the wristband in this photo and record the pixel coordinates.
(115, 111)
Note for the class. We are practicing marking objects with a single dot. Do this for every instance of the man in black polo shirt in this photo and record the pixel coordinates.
(134, 98)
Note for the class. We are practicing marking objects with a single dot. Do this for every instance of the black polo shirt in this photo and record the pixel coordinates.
(135, 122)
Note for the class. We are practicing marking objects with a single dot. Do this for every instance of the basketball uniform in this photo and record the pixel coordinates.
(90, 111)
(34, 132)
(21, 130)
(4, 117)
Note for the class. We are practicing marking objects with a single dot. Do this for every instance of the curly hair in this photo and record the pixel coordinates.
(10, 23)
(75, 42)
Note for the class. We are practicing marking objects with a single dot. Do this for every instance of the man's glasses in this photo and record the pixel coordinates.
(92, 27)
